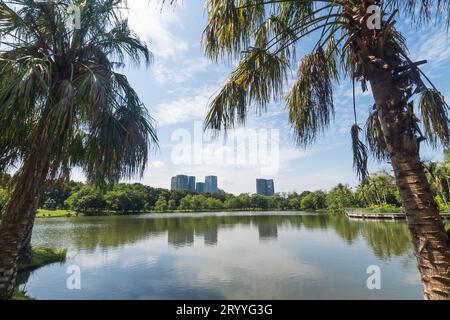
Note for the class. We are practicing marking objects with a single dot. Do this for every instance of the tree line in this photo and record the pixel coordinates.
(378, 192)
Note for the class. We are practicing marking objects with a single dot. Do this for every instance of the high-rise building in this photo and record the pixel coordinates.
(180, 182)
(200, 187)
(265, 187)
(173, 183)
(270, 188)
(191, 183)
(211, 184)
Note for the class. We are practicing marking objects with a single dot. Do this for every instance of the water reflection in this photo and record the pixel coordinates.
(227, 256)
(386, 238)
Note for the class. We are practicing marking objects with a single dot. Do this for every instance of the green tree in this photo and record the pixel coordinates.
(87, 199)
(161, 204)
(185, 203)
(198, 202)
(264, 36)
(233, 203)
(340, 197)
(64, 103)
(172, 205)
(307, 202)
(214, 204)
(378, 189)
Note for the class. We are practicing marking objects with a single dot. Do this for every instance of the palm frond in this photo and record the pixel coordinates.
(310, 100)
(434, 114)
(231, 25)
(422, 11)
(360, 154)
(257, 80)
(375, 138)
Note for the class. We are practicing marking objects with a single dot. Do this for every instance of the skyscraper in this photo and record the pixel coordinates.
(180, 182)
(191, 183)
(265, 187)
(211, 184)
(200, 187)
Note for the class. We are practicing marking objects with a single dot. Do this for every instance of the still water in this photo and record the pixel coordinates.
(225, 256)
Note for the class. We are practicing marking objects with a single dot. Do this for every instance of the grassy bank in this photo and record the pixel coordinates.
(42, 213)
(42, 257)
(20, 295)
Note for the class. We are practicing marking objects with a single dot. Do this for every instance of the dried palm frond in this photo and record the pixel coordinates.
(360, 154)
(375, 138)
(434, 114)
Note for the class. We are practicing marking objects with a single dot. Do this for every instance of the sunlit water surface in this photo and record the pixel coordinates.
(225, 256)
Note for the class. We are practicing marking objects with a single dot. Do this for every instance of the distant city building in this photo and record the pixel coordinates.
(265, 187)
(200, 187)
(183, 182)
(211, 184)
(191, 183)
(180, 182)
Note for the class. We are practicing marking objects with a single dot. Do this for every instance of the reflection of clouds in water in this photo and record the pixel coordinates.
(96, 260)
(138, 261)
(272, 267)
(229, 258)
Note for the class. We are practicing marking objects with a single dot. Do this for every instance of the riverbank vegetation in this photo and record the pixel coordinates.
(41, 257)
(377, 194)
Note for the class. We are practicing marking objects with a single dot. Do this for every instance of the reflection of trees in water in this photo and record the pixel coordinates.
(386, 238)
(346, 229)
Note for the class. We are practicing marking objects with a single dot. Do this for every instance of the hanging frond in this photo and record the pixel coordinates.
(434, 114)
(360, 155)
(422, 11)
(257, 80)
(310, 100)
(231, 25)
(375, 138)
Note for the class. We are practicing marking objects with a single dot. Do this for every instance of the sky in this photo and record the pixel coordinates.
(176, 89)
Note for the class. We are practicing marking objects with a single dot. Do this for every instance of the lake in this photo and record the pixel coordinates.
(225, 256)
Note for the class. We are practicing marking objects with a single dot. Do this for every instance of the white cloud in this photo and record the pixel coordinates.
(154, 26)
(157, 165)
(183, 109)
(435, 47)
(188, 69)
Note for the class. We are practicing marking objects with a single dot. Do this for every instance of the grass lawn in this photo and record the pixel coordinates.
(41, 213)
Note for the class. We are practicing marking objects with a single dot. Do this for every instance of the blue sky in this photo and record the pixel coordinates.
(177, 87)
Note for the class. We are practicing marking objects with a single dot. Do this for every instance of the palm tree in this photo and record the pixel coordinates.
(264, 35)
(438, 178)
(63, 103)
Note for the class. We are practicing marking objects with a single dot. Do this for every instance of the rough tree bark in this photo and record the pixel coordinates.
(19, 212)
(25, 251)
(431, 243)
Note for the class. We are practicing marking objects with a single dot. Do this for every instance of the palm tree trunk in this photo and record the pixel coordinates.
(19, 215)
(25, 251)
(431, 243)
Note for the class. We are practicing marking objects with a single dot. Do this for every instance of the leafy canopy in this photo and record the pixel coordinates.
(264, 36)
(61, 86)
